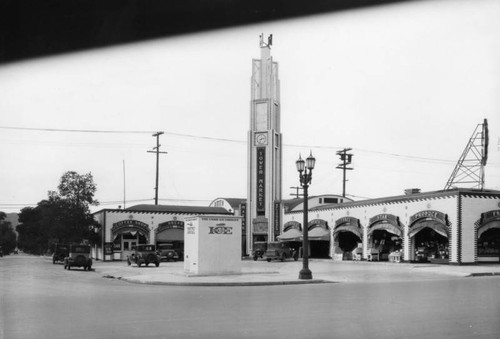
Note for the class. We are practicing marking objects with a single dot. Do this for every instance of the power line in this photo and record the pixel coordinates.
(74, 130)
(230, 140)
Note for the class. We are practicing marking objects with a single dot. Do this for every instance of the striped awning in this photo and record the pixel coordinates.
(432, 224)
(349, 228)
(318, 233)
(386, 227)
(292, 234)
(488, 226)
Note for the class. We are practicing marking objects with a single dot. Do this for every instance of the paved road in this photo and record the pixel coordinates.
(41, 300)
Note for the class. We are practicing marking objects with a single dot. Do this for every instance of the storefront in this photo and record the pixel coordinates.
(428, 236)
(319, 238)
(385, 235)
(454, 226)
(488, 237)
(347, 236)
(125, 235)
(122, 229)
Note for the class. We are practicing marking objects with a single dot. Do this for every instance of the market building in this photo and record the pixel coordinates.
(458, 226)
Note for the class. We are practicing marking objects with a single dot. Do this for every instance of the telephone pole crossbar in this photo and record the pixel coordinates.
(346, 159)
(297, 193)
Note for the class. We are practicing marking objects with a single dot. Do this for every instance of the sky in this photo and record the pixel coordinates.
(403, 85)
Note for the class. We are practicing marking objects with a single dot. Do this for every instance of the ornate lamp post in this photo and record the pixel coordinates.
(305, 175)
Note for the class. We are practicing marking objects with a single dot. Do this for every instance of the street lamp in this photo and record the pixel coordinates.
(305, 175)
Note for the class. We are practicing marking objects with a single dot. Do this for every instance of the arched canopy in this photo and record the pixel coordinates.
(488, 226)
(172, 230)
(170, 235)
(292, 224)
(386, 222)
(489, 220)
(348, 224)
(386, 227)
(437, 226)
(348, 228)
(292, 234)
(317, 223)
(130, 226)
(318, 233)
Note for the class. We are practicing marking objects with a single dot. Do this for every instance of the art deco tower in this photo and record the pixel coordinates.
(263, 215)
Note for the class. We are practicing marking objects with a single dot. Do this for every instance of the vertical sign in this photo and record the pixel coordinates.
(108, 248)
(277, 218)
(261, 180)
(243, 214)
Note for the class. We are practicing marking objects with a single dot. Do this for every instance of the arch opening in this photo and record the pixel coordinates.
(488, 242)
(431, 245)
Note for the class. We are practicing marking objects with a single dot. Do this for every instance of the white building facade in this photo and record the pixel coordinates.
(122, 229)
(459, 226)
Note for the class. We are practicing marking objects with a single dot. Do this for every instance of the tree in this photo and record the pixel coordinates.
(63, 217)
(78, 189)
(8, 241)
(32, 238)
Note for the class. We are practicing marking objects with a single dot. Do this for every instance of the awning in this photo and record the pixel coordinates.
(318, 233)
(434, 225)
(488, 226)
(349, 228)
(386, 227)
(170, 235)
(292, 234)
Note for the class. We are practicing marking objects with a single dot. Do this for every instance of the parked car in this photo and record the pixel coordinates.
(78, 256)
(280, 251)
(259, 248)
(144, 254)
(61, 251)
(166, 252)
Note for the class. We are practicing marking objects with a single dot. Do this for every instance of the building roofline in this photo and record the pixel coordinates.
(407, 198)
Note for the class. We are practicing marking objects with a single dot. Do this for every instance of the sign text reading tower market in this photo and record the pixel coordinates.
(261, 180)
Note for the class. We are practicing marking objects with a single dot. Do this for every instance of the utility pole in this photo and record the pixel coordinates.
(296, 194)
(346, 159)
(157, 151)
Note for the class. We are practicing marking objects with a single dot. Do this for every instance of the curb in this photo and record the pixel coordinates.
(226, 284)
(484, 274)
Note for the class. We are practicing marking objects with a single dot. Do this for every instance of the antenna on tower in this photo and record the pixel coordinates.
(469, 169)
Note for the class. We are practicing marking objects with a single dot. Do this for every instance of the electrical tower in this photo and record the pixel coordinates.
(469, 170)
(157, 151)
(346, 159)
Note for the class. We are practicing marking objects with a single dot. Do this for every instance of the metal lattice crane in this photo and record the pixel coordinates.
(469, 170)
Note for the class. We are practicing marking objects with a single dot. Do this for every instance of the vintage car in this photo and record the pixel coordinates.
(144, 254)
(78, 256)
(259, 248)
(279, 251)
(167, 252)
(61, 251)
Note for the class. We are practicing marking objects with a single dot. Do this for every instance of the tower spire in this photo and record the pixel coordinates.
(269, 41)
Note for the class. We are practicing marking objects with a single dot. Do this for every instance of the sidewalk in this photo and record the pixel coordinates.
(286, 273)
